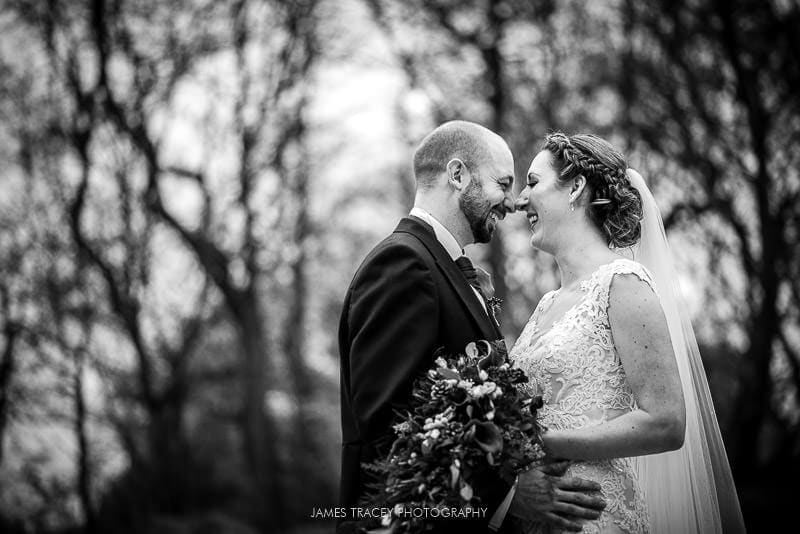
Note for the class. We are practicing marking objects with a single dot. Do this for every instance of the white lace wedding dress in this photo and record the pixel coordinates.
(574, 366)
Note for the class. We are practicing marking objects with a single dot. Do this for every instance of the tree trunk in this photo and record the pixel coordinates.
(295, 335)
(84, 462)
(6, 372)
(296, 320)
(259, 430)
(754, 403)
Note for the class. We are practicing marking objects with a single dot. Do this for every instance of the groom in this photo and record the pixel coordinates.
(416, 292)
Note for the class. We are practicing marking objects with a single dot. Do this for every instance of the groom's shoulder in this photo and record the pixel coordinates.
(401, 248)
(405, 239)
(398, 244)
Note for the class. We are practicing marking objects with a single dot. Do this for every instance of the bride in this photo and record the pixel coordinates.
(613, 354)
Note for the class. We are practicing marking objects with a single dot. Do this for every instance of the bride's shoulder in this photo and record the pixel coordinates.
(629, 266)
(629, 276)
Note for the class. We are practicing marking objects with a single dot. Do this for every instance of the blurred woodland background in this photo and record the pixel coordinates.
(187, 187)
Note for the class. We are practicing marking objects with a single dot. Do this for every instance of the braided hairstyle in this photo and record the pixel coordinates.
(615, 206)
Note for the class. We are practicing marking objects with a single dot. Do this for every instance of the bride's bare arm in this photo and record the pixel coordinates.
(640, 333)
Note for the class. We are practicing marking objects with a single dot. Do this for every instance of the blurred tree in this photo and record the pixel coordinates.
(714, 88)
(11, 331)
(71, 332)
(117, 80)
(63, 142)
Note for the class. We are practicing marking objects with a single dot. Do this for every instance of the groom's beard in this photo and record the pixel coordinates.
(476, 209)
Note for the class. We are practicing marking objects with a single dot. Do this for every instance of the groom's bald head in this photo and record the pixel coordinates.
(467, 141)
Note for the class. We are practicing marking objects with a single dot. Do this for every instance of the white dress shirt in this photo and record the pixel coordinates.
(448, 241)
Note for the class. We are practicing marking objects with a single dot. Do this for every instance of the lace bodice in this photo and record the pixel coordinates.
(574, 366)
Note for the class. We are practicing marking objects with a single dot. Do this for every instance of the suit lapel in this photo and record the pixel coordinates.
(423, 232)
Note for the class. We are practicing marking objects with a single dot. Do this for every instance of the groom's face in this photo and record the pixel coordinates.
(488, 196)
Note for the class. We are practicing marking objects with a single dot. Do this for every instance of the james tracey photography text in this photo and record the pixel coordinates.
(415, 512)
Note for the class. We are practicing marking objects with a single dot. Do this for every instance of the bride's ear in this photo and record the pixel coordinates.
(578, 186)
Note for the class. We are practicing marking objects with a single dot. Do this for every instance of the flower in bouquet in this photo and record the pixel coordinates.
(467, 422)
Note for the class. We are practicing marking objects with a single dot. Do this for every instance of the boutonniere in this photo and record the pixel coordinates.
(496, 305)
(485, 281)
(493, 304)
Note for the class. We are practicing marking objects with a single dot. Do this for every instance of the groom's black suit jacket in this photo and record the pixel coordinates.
(407, 299)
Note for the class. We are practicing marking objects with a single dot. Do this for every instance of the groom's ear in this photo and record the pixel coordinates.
(456, 173)
(578, 185)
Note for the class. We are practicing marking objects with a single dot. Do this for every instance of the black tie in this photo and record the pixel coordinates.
(470, 274)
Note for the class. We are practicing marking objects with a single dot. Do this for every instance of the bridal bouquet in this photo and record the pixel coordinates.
(467, 423)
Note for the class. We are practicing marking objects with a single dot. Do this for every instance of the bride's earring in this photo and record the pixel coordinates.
(572, 200)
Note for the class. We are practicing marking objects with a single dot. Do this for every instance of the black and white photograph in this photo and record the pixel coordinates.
(399, 266)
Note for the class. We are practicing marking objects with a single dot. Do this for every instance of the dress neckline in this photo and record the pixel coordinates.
(584, 286)
(584, 283)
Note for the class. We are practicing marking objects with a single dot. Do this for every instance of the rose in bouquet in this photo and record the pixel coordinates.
(467, 422)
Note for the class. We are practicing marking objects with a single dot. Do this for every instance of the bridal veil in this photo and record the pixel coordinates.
(689, 490)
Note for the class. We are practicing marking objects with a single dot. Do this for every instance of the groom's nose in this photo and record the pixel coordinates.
(509, 203)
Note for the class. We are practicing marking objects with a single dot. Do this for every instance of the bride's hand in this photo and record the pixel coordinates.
(544, 494)
(558, 463)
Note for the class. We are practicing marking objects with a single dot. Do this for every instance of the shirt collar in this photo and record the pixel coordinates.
(443, 235)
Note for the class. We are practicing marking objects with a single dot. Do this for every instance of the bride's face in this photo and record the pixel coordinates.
(544, 200)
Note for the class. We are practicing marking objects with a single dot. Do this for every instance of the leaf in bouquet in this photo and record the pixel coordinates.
(427, 446)
(448, 374)
(466, 492)
(510, 395)
(493, 358)
(422, 397)
(398, 445)
(469, 410)
(500, 347)
(445, 443)
(458, 396)
(454, 474)
(490, 458)
(488, 437)
(471, 350)
(469, 435)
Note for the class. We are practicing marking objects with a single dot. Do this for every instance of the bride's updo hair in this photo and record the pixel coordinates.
(615, 206)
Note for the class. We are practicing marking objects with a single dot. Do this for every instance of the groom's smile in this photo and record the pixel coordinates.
(495, 215)
(482, 216)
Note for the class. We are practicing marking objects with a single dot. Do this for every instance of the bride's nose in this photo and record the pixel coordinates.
(521, 204)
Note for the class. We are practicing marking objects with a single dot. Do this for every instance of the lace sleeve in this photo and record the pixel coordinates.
(623, 266)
